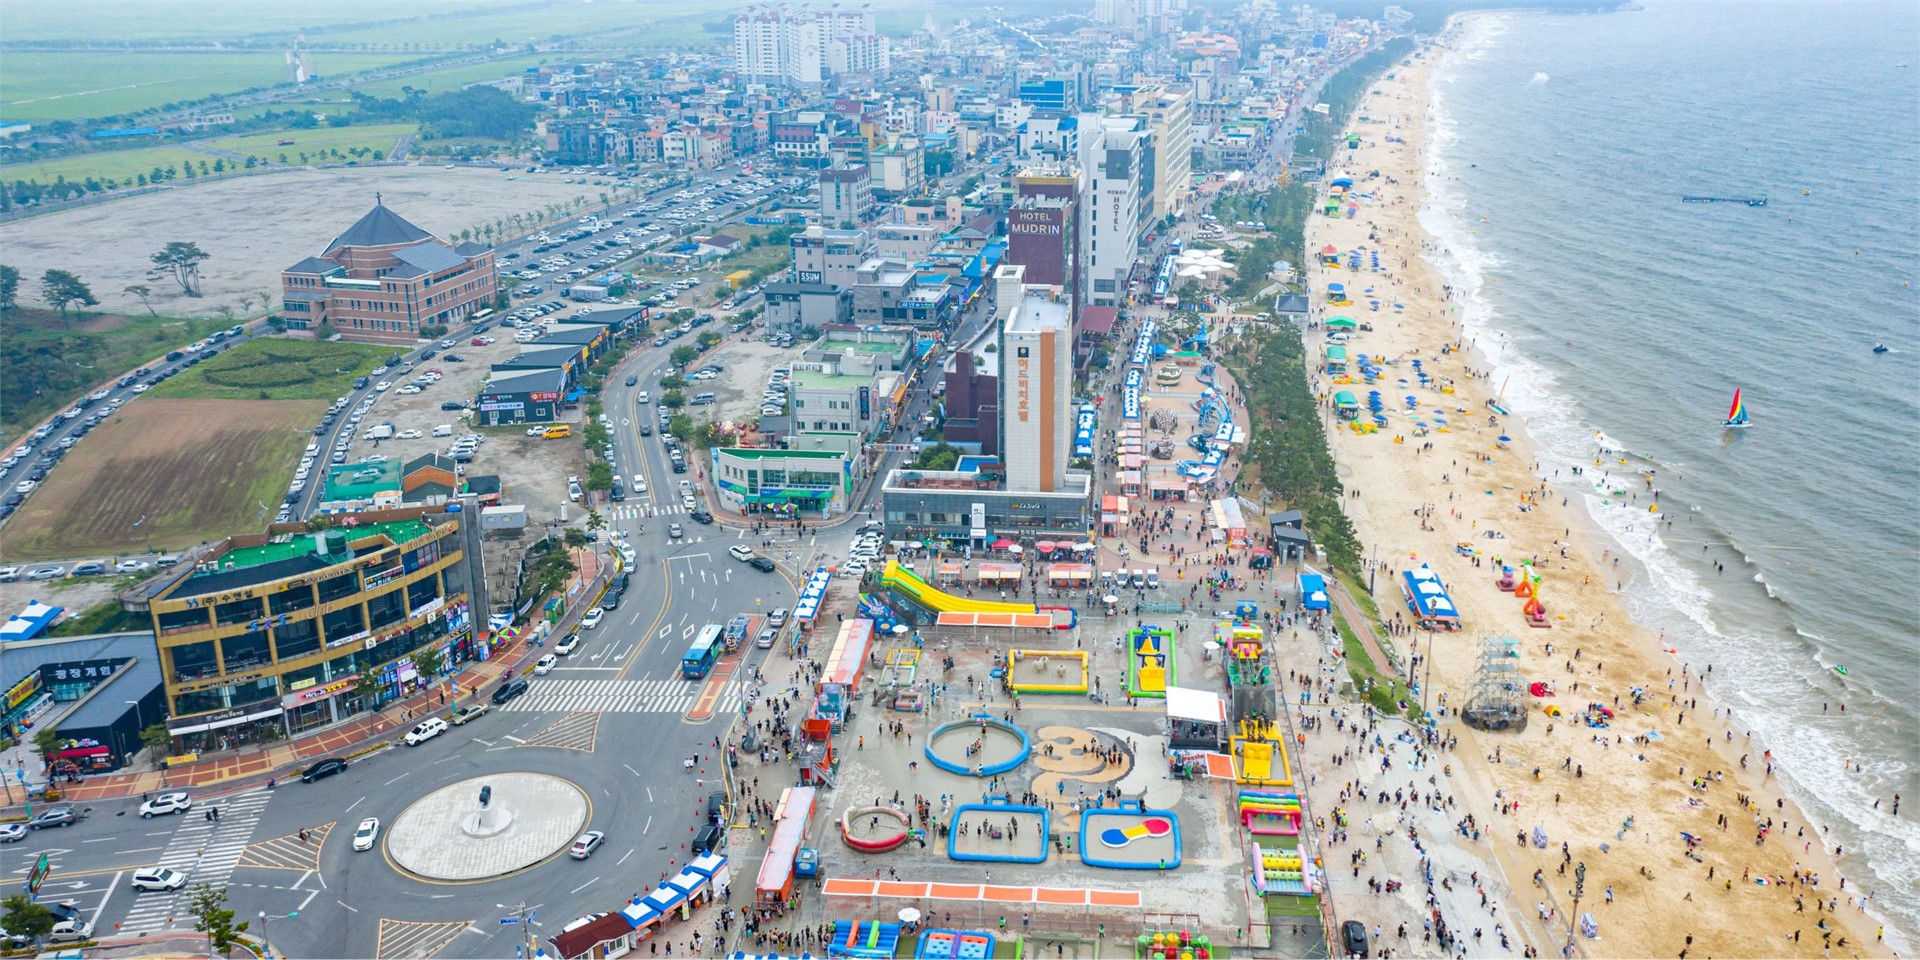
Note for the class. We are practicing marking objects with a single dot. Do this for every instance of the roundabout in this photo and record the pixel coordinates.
(450, 836)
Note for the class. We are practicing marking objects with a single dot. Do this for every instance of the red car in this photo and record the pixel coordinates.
(478, 341)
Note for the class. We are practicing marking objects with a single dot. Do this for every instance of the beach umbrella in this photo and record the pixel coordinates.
(1001, 544)
(1016, 549)
(909, 915)
(1505, 439)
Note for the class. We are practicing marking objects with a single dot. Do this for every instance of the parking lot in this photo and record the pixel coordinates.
(531, 469)
(549, 263)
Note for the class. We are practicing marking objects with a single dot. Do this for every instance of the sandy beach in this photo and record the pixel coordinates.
(1622, 799)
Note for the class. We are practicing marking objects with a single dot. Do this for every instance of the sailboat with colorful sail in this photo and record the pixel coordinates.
(1737, 414)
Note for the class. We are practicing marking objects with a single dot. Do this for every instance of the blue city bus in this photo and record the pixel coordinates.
(705, 652)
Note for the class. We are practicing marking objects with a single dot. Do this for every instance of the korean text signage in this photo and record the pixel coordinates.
(1023, 382)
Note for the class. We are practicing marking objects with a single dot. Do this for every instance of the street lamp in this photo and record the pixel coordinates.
(266, 945)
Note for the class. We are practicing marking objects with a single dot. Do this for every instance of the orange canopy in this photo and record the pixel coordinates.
(981, 892)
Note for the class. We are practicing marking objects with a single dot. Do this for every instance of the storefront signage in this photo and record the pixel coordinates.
(267, 623)
(866, 403)
(312, 693)
(384, 577)
(808, 276)
(544, 396)
(811, 595)
(502, 406)
(81, 670)
(227, 718)
(349, 638)
(23, 690)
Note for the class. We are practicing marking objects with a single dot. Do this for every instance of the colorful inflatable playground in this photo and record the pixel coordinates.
(1280, 874)
(1047, 671)
(954, 945)
(875, 829)
(1150, 663)
(1245, 646)
(1130, 837)
(982, 745)
(1260, 755)
(1168, 945)
(997, 830)
(863, 939)
(921, 602)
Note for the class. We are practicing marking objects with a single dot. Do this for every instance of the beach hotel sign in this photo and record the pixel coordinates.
(1043, 223)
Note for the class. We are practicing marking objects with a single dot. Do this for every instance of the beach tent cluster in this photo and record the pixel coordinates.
(1197, 264)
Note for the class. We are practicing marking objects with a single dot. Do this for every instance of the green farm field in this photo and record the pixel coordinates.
(187, 471)
(373, 136)
(119, 165)
(180, 20)
(56, 86)
(453, 78)
(530, 23)
(276, 369)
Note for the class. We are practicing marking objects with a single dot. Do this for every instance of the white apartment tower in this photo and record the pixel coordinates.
(1169, 112)
(1036, 387)
(804, 47)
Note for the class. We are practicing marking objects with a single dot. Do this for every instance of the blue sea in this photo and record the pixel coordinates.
(1619, 317)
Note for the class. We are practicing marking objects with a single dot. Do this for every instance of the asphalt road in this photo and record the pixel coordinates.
(611, 719)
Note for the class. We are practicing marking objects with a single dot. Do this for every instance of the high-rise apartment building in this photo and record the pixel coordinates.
(1036, 387)
(1169, 112)
(803, 47)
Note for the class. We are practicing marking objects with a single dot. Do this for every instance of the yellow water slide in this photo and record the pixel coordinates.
(906, 581)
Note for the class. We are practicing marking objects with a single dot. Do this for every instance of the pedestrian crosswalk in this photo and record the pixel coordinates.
(619, 696)
(206, 851)
(641, 511)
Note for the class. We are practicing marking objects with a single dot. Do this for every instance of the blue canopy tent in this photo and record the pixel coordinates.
(1427, 598)
(1313, 591)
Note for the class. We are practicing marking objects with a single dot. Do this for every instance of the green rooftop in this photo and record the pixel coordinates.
(360, 481)
(842, 346)
(756, 453)
(399, 531)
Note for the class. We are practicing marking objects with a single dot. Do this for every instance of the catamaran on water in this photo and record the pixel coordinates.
(1737, 414)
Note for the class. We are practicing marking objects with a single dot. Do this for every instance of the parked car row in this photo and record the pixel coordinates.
(27, 466)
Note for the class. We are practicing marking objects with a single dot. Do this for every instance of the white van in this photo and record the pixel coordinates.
(443, 430)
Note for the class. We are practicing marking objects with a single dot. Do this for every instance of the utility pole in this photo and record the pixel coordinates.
(523, 917)
(1579, 891)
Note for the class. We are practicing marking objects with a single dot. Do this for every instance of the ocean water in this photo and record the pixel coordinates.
(1617, 316)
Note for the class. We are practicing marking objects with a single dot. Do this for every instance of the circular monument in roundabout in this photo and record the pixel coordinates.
(487, 826)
